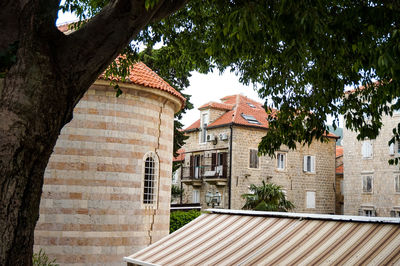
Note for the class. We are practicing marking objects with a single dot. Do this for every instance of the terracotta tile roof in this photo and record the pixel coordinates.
(181, 156)
(215, 105)
(242, 111)
(242, 107)
(339, 169)
(339, 151)
(140, 74)
(195, 125)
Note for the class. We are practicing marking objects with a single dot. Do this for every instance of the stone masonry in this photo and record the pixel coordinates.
(92, 210)
(383, 198)
(294, 181)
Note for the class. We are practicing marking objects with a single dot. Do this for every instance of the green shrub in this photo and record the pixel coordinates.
(41, 259)
(180, 218)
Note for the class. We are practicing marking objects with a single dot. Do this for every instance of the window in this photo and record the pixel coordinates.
(251, 119)
(369, 213)
(366, 149)
(395, 213)
(196, 196)
(253, 159)
(309, 164)
(281, 158)
(175, 177)
(310, 199)
(397, 183)
(204, 123)
(367, 183)
(195, 166)
(149, 180)
(251, 105)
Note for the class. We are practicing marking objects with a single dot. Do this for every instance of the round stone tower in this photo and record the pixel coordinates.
(106, 190)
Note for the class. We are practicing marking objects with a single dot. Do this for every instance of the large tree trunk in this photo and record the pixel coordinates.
(33, 109)
(39, 92)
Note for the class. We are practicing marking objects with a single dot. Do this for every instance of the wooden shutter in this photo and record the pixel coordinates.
(305, 164)
(225, 164)
(213, 161)
(391, 149)
(192, 166)
(312, 164)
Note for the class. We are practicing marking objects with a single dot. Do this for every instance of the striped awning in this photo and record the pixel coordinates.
(264, 238)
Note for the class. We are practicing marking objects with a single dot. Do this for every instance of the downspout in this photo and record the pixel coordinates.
(181, 182)
(230, 167)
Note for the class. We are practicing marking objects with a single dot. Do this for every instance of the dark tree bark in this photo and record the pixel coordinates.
(39, 92)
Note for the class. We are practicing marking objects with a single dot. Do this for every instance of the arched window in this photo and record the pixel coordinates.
(149, 181)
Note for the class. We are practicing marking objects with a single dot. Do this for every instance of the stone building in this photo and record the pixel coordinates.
(221, 158)
(106, 190)
(339, 202)
(371, 185)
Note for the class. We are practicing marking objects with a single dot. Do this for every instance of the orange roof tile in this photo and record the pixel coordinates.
(140, 74)
(339, 151)
(239, 107)
(215, 105)
(181, 156)
(195, 125)
(242, 106)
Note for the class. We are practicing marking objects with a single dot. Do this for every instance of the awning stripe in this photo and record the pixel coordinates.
(234, 239)
(244, 238)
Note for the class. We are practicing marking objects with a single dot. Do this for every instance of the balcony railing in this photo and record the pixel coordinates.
(204, 172)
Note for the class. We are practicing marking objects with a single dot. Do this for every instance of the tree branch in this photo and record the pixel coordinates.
(167, 8)
(87, 52)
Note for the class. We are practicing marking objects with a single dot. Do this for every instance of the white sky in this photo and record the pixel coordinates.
(203, 88)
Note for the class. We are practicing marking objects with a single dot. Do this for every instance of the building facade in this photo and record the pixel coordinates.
(221, 157)
(371, 185)
(106, 189)
(339, 202)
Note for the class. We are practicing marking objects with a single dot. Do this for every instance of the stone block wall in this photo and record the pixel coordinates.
(92, 210)
(293, 180)
(383, 197)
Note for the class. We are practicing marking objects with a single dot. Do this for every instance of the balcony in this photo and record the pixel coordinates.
(216, 175)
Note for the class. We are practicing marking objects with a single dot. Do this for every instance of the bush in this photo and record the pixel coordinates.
(41, 259)
(180, 218)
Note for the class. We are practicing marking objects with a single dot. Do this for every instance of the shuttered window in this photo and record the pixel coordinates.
(366, 149)
(309, 164)
(253, 159)
(281, 161)
(196, 196)
(367, 183)
(397, 183)
(310, 199)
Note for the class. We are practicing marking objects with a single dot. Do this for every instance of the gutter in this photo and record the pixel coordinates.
(309, 216)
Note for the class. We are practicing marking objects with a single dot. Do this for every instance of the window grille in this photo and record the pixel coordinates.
(149, 181)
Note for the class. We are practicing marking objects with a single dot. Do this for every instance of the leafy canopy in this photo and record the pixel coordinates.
(266, 197)
(300, 54)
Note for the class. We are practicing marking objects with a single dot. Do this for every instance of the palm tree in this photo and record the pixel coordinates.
(267, 197)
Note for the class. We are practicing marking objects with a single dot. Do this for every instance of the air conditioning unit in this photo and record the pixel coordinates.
(223, 136)
(210, 137)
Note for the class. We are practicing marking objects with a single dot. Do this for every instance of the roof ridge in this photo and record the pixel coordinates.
(236, 107)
